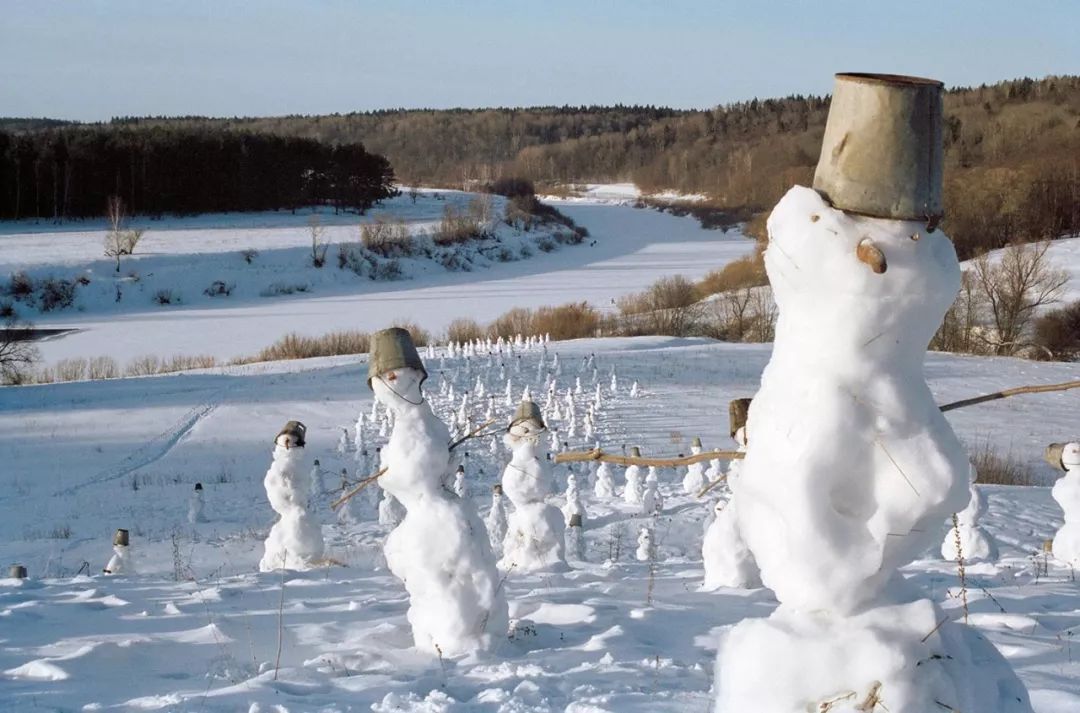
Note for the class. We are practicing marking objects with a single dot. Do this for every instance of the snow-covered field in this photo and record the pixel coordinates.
(198, 627)
(627, 250)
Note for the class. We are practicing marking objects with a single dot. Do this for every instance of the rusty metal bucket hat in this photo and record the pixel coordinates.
(391, 349)
(882, 151)
(528, 411)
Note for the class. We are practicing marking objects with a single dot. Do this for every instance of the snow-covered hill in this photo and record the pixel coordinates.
(627, 250)
(197, 628)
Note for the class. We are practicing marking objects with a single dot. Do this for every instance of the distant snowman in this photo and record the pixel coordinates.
(535, 540)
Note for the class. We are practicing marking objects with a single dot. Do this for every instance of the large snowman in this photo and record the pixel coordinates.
(535, 539)
(440, 551)
(851, 467)
(1066, 546)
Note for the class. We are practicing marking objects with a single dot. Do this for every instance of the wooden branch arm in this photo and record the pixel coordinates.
(595, 454)
(1011, 392)
(363, 484)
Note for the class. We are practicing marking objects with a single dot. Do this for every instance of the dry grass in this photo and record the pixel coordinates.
(296, 346)
(996, 469)
(464, 330)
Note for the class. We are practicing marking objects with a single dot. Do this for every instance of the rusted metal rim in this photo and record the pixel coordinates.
(931, 220)
(891, 79)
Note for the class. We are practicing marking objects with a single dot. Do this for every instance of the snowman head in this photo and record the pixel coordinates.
(399, 389)
(1070, 455)
(871, 284)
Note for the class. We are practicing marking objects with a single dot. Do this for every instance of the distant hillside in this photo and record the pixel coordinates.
(1012, 156)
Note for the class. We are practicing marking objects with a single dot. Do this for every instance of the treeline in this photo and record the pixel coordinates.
(71, 172)
(1012, 151)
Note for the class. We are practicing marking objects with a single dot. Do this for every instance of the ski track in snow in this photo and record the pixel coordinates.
(584, 641)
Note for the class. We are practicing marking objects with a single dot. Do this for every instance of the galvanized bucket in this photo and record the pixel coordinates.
(738, 410)
(635, 452)
(1053, 454)
(295, 435)
(696, 443)
(528, 411)
(17, 571)
(121, 538)
(882, 151)
(391, 349)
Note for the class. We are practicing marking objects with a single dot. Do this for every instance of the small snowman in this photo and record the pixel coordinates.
(605, 482)
(295, 541)
(318, 485)
(695, 478)
(460, 488)
(573, 506)
(123, 559)
(975, 544)
(727, 559)
(195, 505)
(632, 491)
(651, 500)
(391, 512)
(535, 540)
(1066, 491)
(496, 521)
(646, 550)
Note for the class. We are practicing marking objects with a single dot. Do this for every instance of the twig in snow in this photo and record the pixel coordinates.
(280, 616)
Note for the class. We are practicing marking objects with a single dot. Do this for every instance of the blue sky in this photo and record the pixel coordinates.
(93, 59)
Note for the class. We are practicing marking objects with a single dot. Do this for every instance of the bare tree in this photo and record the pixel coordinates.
(318, 245)
(17, 351)
(964, 322)
(118, 240)
(1015, 287)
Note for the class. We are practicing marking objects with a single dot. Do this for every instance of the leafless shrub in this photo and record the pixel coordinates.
(143, 366)
(669, 307)
(295, 346)
(166, 297)
(464, 330)
(17, 352)
(993, 468)
(388, 238)
(71, 369)
(103, 367)
(249, 255)
(282, 288)
(218, 288)
(118, 240)
(747, 271)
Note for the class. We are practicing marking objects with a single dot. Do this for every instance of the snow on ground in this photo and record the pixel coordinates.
(197, 628)
(627, 250)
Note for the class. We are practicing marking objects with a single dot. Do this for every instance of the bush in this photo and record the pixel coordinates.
(218, 288)
(464, 330)
(56, 294)
(669, 307)
(165, 297)
(1058, 332)
(995, 469)
(103, 367)
(21, 286)
(457, 226)
(281, 288)
(386, 270)
(71, 369)
(387, 238)
(747, 271)
(143, 366)
(568, 321)
(512, 187)
(249, 255)
(420, 336)
(295, 346)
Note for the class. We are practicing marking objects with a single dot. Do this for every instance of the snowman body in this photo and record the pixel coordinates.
(1066, 491)
(295, 541)
(439, 550)
(849, 471)
(535, 540)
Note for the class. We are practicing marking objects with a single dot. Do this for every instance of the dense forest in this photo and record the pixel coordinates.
(60, 172)
(1012, 151)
